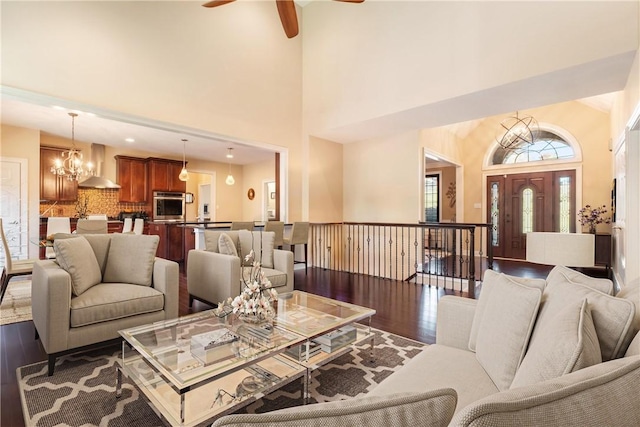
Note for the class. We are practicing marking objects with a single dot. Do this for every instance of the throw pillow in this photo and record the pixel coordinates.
(613, 317)
(262, 243)
(76, 257)
(433, 408)
(562, 273)
(490, 277)
(507, 322)
(568, 345)
(226, 246)
(631, 292)
(131, 259)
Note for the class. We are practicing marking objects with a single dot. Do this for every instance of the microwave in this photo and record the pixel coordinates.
(168, 206)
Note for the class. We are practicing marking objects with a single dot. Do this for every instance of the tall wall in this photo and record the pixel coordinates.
(228, 70)
(368, 62)
(326, 172)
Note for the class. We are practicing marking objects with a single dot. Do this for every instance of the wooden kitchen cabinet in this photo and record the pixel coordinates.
(171, 241)
(55, 187)
(163, 175)
(160, 230)
(132, 177)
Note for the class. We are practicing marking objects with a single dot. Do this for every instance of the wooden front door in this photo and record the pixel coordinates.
(522, 203)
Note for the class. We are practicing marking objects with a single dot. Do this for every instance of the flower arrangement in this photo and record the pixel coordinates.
(593, 216)
(256, 300)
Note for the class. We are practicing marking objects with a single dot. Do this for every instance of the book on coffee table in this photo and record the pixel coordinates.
(214, 346)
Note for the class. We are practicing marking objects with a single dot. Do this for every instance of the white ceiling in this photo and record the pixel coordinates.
(109, 128)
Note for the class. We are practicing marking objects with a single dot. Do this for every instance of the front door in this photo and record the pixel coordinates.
(522, 203)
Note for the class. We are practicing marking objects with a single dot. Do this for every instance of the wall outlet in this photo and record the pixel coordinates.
(477, 205)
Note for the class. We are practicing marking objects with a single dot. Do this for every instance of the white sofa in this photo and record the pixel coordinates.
(560, 352)
(213, 274)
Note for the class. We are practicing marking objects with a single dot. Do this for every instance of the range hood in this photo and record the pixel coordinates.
(97, 181)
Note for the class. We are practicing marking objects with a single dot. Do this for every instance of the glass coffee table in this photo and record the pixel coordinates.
(202, 366)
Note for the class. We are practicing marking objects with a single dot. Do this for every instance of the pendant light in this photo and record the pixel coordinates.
(184, 175)
(229, 180)
(517, 131)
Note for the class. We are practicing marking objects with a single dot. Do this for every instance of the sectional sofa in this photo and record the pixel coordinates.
(529, 352)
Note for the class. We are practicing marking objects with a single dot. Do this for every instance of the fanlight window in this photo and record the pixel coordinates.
(546, 146)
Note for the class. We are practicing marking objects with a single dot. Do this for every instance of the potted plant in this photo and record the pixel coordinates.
(592, 216)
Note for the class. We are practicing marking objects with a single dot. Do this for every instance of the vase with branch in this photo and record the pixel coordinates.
(592, 216)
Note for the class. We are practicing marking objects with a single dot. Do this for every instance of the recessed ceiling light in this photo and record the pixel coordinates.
(90, 114)
(57, 107)
(130, 140)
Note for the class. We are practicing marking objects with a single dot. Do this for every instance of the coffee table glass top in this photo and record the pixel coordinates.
(197, 347)
(312, 315)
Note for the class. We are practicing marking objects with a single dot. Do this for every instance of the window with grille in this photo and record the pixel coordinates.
(432, 198)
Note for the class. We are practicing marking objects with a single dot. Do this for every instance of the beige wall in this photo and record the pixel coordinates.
(25, 144)
(325, 181)
(382, 179)
(254, 176)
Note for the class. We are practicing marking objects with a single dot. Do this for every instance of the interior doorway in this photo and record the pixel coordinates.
(521, 203)
(269, 202)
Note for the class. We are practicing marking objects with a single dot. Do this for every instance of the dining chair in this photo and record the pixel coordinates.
(138, 226)
(242, 226)
(278, 228)
(91, 226)
(56, 224)
(127, 226)
(299, 236)
(12, 267)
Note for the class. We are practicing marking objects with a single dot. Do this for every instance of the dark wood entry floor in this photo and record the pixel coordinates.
(402, 308)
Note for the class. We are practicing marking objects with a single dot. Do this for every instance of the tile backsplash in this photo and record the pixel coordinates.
(98, 201)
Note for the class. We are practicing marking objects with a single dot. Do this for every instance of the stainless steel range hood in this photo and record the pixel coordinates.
(97, 181)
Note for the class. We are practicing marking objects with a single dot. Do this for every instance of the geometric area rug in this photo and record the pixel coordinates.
(81, 391)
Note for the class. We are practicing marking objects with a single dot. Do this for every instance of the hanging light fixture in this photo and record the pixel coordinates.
(184, 175)
(516, 131)
(229, 180)
(70, 162)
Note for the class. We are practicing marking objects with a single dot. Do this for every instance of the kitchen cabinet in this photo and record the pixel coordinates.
(55, 187)
(171, 243)
(163, 175)
(131, 175)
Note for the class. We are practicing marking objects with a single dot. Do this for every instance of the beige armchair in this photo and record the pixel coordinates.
(100, 284)
(213, 274)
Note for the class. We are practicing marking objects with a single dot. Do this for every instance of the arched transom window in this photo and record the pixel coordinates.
(546, 146)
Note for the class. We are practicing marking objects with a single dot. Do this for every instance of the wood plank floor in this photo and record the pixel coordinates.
(402, 308)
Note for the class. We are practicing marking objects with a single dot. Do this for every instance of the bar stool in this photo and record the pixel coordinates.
(299, 236)
(278, 228)
(56, 224)
(242, 226)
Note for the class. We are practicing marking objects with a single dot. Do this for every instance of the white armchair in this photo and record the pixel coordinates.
(213, 275)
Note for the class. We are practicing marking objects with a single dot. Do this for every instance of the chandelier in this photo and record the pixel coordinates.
(70, 162)
(516, 131)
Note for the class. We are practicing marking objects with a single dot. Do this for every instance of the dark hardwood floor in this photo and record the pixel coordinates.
(402, 308)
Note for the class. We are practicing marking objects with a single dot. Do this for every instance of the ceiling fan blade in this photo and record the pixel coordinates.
(288, 17)
(351, 1)
(215, 3)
